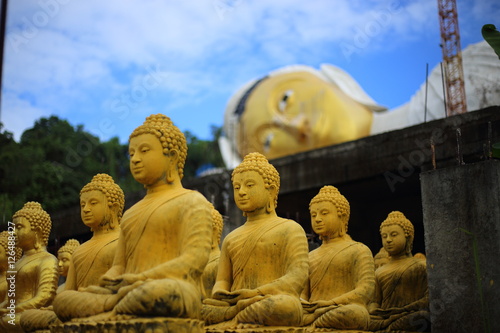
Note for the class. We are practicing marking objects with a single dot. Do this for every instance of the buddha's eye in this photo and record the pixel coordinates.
(285, 100)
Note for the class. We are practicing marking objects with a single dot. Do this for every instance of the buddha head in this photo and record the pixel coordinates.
(297, 108)
(256, 184)
(217, 225)
(101, 203)
(330, 212)
(4, 250)
(64, 255)
(7, 242)
(381, 258)
(33, 226)
(158, 151)
(397, 234)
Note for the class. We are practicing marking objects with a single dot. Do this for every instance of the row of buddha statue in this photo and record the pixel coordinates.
(159, 267)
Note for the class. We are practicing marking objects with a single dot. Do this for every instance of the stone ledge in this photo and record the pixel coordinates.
(139, 325)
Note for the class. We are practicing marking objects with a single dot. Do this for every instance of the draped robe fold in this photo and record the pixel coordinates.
(403, 285)
(342, 271)
(165, 236)
(36, 284)
(269, 256)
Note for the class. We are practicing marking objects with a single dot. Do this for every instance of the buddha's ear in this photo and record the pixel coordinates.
(173, 154)
(273, 191)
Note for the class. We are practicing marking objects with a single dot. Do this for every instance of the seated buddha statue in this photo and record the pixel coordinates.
(9, 253)
(263, 264)
(210, 272)
(401, 300)
(64, 255)
(36, 273)
(381, 258)
(341, 279)
(101, 208)
(164, 241)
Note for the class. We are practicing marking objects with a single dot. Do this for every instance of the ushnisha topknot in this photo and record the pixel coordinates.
(169, 135)
(69, 247)
(332, 194)
(38, 219)
(258, 162)
(398, 218)
(114, 194)
(4, 242)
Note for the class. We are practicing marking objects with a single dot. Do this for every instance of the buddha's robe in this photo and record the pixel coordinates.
(210, 273)
(88, 263)
(36, 284)
(269, 256)
(401, 288)
(166, 237)
(91, 260)
(342, 273)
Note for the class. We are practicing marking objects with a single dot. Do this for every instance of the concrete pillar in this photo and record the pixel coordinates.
(461, 215)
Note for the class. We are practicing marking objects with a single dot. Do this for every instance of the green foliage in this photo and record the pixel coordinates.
(54, 160)
(492, 36)
(201, 153)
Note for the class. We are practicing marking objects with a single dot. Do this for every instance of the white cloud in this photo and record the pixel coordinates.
(80, 56)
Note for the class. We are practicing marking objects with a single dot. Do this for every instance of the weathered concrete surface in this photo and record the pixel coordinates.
(461, 216)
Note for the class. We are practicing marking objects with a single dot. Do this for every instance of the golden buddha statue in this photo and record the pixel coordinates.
(381, 258)
(164, 242)
(263, 264)
(341, 280)
(401, 300)
(294, 109)
(101, 208)
(36, 274)
(210, 272)
(64, 259)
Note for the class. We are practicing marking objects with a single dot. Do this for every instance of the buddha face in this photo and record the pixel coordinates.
(64, 259)
(325, 220)
(25, 235)
(250, 193)
(294, 112)
(148, 164)
(393, 239)
(93, 208)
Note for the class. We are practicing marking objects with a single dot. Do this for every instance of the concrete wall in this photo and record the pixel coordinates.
(461, 216)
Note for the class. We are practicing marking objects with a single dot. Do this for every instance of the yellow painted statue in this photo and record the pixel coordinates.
(401, 300)
(341, 280)
(210, 272)
(101, 208)
(381, 258)
(37, 273)
(263, 265)
(64, 255)
(294, 109)
(164, 242)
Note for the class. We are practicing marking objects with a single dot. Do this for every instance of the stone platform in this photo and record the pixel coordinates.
(139, 325)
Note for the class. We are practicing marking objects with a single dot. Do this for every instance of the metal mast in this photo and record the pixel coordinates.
(452, 57)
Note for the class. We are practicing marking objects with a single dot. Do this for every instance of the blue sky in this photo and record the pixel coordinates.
(109, 64)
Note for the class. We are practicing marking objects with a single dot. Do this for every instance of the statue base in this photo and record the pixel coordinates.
(282, 329)
(262, 329)
(139, 325)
